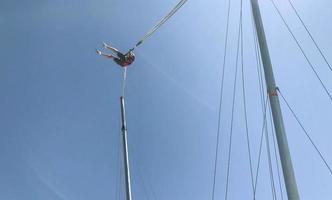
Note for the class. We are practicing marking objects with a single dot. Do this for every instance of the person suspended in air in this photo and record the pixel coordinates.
(121, 59)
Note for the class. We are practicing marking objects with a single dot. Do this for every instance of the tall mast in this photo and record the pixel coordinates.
(125, 148)
(285, 157)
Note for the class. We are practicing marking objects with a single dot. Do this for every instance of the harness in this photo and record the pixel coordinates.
(125, 60)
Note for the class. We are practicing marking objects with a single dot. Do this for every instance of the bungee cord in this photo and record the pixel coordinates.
(126, 59)
(160, 23)
(130, 53)
(145, 37)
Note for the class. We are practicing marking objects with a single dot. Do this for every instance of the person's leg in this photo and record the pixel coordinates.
(103, 54)
(114, 50)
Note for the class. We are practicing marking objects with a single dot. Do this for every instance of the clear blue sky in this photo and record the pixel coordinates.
(59, 103)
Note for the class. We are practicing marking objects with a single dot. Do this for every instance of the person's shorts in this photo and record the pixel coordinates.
(118, 61)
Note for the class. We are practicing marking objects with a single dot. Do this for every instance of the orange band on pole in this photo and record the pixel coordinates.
(273, 93)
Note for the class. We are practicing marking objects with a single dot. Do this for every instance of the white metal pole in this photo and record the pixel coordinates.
(285, 157)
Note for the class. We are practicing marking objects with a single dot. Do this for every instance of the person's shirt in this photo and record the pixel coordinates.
(129, 59)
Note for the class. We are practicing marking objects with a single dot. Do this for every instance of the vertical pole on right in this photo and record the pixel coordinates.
(285, 157)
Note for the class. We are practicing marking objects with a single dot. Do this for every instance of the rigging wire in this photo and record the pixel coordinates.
(305, 131)
(264, 106)
(258, 66)
(261, 89)
(160, 23)
(145, 188)
(145, 182)
(275, 154)
(148, 184)
(310, 35)
(260, 149)
(301, 49)
(267, 140)
(245, 112)
(265, 130)
(262, 94)
(233, 106)
(221, 100)
(144, 185)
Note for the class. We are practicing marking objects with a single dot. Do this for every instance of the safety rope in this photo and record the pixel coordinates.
(124, 81)
(160, 23)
